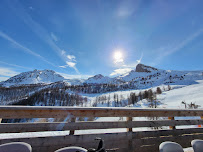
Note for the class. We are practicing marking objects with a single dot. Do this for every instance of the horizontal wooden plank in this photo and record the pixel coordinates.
(159, 123)
(116, 140)
(59, 126)
(70, 139)
(8, 112)
(152, 144)
(51, 143)
(184, 141)
(158, 133)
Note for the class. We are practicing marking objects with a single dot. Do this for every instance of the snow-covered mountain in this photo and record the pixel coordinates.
(142, 77)
(99, 79)
(33, 77)
(75, 81)
(148, 76)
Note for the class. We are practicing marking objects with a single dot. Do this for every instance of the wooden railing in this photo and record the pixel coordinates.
(125, 141)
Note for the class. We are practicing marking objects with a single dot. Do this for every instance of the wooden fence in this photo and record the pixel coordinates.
(125, 141)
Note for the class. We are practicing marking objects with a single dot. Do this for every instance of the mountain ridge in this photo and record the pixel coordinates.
(142, 76)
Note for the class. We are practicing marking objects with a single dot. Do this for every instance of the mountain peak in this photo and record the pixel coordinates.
(34, 77)
(98, 76)
(145, 68)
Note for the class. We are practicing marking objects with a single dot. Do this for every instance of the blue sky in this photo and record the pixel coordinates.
(80, 38)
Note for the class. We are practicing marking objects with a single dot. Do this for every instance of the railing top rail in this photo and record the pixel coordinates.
(64, 111)
(9, 107)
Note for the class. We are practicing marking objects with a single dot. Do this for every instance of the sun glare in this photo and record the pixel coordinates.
(118, 57)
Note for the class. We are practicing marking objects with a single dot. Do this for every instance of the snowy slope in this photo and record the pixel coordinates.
(99, 79)
(191, 93)
(34, 77)
(169, 99)
(74, 81)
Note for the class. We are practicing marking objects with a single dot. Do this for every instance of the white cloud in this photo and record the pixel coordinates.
(63, 66)
(68, 64)
(3, 78)
(7, 72)
(70, 61)
(54, 37)
(23, 48)
(71, 57)
(71, 64)
(120, 71)
(15, 65)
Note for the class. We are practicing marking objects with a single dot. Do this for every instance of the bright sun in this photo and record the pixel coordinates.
(118, 57)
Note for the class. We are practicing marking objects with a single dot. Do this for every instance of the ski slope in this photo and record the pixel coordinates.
(191, 93)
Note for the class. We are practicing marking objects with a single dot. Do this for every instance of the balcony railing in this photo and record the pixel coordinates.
(121, 141)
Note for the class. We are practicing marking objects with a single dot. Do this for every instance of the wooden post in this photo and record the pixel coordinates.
(129, 120)
(172, 127)
(130, 146)
(72, 131)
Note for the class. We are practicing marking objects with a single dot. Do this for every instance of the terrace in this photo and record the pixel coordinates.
(125, 137)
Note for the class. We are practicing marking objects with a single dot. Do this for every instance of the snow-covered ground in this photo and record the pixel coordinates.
(169, 99)
(191, 93)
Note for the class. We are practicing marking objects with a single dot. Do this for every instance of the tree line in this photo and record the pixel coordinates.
(53, 97)
(16, 93)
